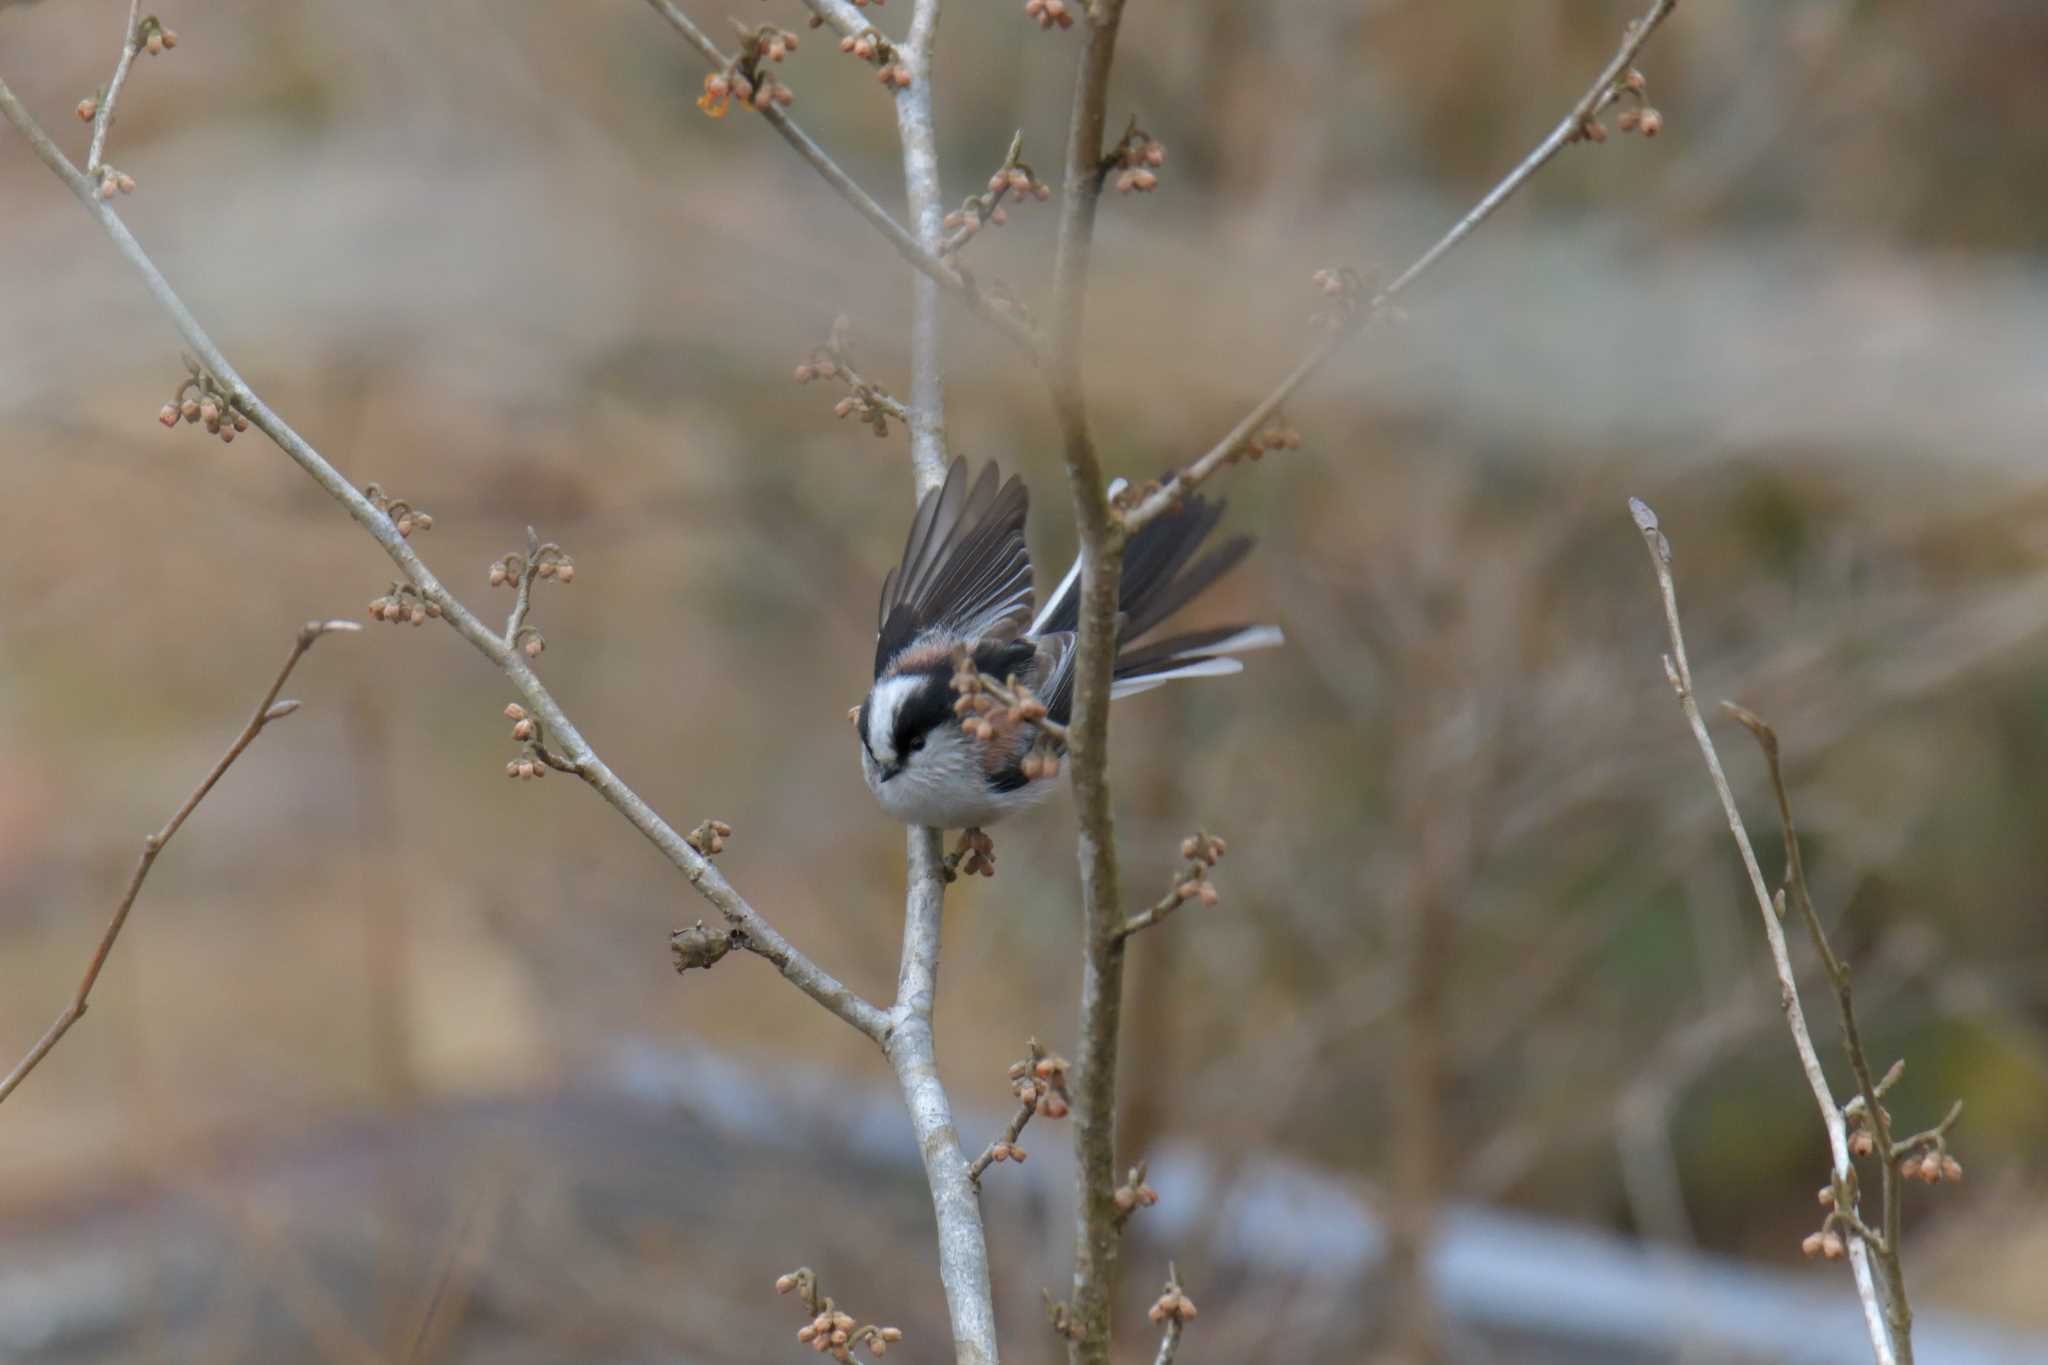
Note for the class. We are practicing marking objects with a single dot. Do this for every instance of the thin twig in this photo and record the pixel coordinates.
(1006, 322)
(267, 710)
(1936, 1134)
(758, 935)
(523, 601)
(1158, 911)
(1598, 96)
(1898, 1310)
(103, 117)
(1015, 1130)
(1679, 672)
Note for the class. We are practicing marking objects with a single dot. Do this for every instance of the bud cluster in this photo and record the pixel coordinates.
(1172, 1304)
(748, 77)
(976, 852)
(834, 361)
(1347, 291)
(1040, 1080)
(153, 37)
(114, 182)
(982, 705)
(1202, 851)
(831, 1331)
(1049, 12)
(1133, 1194)
(202, 398)
(890, 68)
(1013, 179)
(404, 516)
(1932, 1167)
(709, 837)
(404, 605)
(526, 731)
(1277, 434)
(1137, 160)
(549, 561)
(1638, 117)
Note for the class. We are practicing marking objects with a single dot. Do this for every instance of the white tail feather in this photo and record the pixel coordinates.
(1207, 668)
(1246, 640)
(1059, 595)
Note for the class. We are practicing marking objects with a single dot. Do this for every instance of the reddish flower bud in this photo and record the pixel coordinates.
(1652, 123)
(168, 415)
(86, 109)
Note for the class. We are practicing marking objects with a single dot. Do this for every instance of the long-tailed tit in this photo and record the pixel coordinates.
(964, 587)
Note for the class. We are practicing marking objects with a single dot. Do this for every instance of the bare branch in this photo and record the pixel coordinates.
(760, 937)
(1886, 1350)
(912, 1052)
(1898, 1309)
(1202, 852)
(103, 116)
(267, 710)
(907, 246)
(1039, 1082)
(1102, 541)
(927, 214)
(1601, 93)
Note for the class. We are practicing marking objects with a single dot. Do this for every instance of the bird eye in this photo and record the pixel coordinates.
(917, 745)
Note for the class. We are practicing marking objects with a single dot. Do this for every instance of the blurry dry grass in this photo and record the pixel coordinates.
(490, 256)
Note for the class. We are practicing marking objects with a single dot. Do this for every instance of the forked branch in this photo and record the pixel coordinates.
(1889, 1332)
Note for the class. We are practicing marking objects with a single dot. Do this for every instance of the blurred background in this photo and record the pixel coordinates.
(391, 1063)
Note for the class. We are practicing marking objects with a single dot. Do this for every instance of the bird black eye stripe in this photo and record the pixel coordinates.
(930, 706)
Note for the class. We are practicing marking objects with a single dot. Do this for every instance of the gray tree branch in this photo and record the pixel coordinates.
(759, 936)
(1679, 671)
(1097, 1226)
(924, 259)
(1601, 93)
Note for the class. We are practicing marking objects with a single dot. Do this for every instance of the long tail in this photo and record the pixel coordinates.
(1161, 574)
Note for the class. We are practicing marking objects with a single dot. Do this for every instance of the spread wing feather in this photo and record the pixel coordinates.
(965, 570)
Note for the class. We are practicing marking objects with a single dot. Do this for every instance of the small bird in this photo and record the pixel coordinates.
(963, 593)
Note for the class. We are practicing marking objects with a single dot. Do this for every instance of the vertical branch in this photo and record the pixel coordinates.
(927, 215)
(911, 1049)
(1102, 540)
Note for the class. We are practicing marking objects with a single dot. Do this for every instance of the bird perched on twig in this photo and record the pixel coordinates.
(958, 609)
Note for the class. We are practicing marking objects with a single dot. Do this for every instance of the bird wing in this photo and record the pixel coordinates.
(965, 570)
